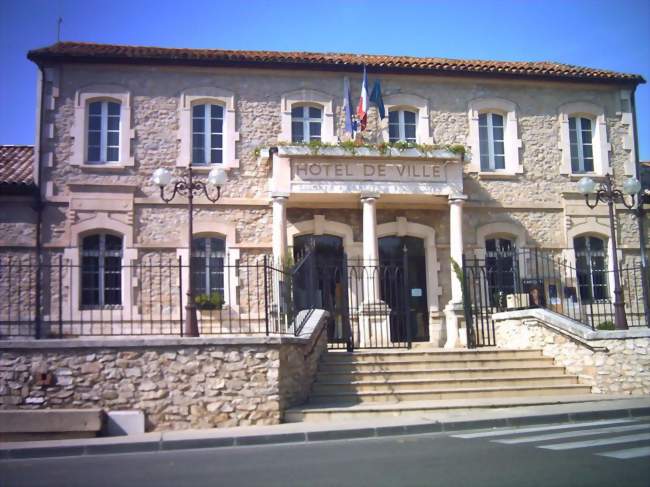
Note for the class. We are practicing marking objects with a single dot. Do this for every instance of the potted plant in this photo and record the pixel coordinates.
(209, 301)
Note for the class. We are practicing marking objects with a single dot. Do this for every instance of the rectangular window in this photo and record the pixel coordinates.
(101, 270)
(207, 134)
(208, 266)
(581, 147)
(402, 126)
(491, 141)
(103, 132)
(306, 124)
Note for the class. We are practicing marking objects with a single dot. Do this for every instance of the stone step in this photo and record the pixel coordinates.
(429, 409)
(436, 373)
(411, 385)
(378, 356)
(450, 393)
(402, 365)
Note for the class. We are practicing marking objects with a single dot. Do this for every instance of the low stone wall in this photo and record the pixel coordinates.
(178, 383)
(612, 362)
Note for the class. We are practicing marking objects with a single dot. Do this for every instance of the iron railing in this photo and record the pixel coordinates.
(578, 288)
(251, 297)
(367, 302)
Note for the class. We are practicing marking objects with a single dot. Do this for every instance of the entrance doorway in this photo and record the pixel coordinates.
(501, 267)
(391, 252)
(329, 281)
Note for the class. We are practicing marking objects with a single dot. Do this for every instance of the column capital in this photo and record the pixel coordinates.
(369, 196)
(457, 199)
(276, 195)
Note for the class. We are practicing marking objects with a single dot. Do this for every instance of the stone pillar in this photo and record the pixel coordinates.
(279, 202)
(374, 314)
(370, 248)
(454, 309)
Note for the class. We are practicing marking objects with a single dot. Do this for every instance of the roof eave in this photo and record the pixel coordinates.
(44, 57)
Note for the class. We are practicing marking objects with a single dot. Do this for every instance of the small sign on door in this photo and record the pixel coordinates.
(416, 292)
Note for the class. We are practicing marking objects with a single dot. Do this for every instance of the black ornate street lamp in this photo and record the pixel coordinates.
(606, 193)
(190, 188)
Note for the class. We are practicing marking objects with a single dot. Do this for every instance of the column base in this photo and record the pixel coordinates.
(374, 325)
(454, 313)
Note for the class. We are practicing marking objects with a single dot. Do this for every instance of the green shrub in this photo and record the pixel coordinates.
(605, 325)
(209, 301)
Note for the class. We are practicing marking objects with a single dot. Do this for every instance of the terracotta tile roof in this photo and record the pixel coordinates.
(97, 53)
(17, 165)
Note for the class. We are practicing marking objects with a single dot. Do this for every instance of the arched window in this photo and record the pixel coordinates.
(207, 134)
(581, 145)
(208, 255)
(306, 122)
(491, 130)
(402, 126)
(103, 132)
(591, 267)
(501, 269)
(101, 270)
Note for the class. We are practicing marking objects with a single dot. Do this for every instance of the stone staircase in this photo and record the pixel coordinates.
(398, 382)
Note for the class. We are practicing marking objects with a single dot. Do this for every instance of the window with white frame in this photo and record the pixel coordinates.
(493, 137)
(583, 139)
(491, 140)
(103, 132)
(402, 126)
(581, 144)
(207, 134)
(208, 256)
(306, 123)
(101, 270)
(306, 115)
(591, 268)
(207, 128)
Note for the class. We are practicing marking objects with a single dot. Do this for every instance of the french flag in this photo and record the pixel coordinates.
(362, 107)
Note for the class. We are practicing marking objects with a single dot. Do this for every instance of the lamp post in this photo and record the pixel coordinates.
(606, 193)
(189, 188)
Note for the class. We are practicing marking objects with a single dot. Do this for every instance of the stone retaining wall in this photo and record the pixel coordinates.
(611, 362)
(179, 384)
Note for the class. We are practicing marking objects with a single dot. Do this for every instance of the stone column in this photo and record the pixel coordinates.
(370, 248)
(279, 202)
(374, 314)
(454, 309)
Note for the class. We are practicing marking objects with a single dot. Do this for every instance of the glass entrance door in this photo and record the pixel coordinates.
(391, 252)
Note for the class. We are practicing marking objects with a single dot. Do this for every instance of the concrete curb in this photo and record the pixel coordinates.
(153, 442)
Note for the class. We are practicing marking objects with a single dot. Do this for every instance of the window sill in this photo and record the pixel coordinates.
(497, 175)
(206, 168)
(578, 176)
(106, 167)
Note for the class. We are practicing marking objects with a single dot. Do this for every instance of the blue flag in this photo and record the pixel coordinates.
(347, 107)
(376, 99)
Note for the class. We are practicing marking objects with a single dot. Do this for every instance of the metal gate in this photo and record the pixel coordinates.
(367, 303)
(480, 300)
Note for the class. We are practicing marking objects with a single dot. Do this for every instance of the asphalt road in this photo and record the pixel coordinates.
(608, 453)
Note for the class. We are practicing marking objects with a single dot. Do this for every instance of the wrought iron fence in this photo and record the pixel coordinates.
(578, 287)
(367, 302)
(147, 297)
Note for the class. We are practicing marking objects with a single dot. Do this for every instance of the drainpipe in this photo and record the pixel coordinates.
(640, 215)
(38, 208)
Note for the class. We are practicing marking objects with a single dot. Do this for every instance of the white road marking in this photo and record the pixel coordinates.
(601, 442)
(504, 432)
(643, 451)
(574, 434)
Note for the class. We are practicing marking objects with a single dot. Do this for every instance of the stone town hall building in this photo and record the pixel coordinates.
(472, 157)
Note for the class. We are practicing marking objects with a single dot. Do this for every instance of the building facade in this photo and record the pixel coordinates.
(471, 158)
